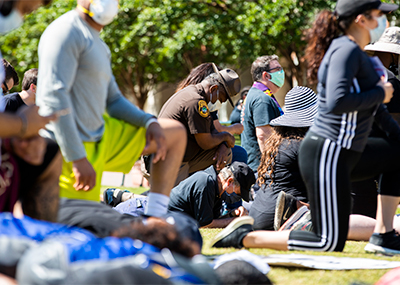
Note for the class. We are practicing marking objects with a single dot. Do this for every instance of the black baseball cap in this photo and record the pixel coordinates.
(245, 176)
(346, 8)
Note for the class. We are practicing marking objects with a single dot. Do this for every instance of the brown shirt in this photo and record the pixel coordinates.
(189, 107)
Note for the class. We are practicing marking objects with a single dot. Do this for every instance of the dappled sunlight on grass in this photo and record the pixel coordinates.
(282, 275)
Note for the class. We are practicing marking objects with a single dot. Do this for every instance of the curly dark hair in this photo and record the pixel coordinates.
(159, 233)
(326, 27)
(279, 134)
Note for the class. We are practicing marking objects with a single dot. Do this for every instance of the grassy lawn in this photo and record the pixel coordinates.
(281, 275)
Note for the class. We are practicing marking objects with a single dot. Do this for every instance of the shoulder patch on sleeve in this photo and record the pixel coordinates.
(203, 109)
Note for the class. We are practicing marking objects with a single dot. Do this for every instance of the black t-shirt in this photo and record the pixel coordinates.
(286, 177)
(12, 102)
(394, 105)
(198, 197)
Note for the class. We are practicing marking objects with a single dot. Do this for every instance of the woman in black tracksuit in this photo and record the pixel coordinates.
(337, 149)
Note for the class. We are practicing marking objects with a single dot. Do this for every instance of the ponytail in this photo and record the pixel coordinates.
(324, 30)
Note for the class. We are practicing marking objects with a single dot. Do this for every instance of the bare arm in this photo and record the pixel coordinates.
(6, 280)
(263, 133)
(222, 223)
(396, 117)
(26, 123)
(10, 125)
(210, 140)
(232, 129)
(219, 223)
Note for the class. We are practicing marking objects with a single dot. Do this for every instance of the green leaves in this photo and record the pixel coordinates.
(20, 46)
(155, 41)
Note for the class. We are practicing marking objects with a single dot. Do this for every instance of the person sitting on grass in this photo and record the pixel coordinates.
(278, 170)
(283, 193)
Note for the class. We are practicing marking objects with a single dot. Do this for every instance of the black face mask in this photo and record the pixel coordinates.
(231, 198)
(394, 66)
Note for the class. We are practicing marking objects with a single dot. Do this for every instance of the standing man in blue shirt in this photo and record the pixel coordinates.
(261, 106)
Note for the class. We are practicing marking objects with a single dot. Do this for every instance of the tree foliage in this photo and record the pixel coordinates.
(21, 45)
(155, 41)
(160, 41)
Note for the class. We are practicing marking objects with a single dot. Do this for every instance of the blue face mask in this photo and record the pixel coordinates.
(231, 198)
(278, 78)
(376, 33)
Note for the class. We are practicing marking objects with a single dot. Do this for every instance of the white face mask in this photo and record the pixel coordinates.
(376, 33)
(212, 107)
(11, 21)
(102, 12)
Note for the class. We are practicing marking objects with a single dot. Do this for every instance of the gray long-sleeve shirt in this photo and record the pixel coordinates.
(75, 73)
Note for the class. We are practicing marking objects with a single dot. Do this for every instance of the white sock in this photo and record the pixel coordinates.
(156, 204)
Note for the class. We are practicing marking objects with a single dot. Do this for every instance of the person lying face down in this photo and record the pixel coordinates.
(42, 245)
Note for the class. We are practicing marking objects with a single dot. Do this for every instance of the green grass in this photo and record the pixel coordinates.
(281, 275)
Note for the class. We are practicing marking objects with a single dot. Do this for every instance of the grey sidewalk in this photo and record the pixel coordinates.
(132, 179)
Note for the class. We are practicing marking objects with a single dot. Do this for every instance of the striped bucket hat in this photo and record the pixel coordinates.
(301, 108)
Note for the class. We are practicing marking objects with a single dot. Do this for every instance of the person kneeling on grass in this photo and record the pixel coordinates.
(200, 196)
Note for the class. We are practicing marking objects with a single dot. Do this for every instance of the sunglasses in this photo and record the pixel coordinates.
(5, 88)
(279, 68)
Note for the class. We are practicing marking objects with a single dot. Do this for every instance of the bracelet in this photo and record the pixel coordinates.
(24, 125)
(150, 121)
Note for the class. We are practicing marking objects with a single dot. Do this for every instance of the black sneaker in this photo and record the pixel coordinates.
(113, 196)
(286, 205)
(387, 243)
(234, 233)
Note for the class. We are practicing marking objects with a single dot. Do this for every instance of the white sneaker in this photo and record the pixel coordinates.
(294, 218)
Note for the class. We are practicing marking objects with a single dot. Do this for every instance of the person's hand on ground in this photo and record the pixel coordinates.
(241, 211)
(221, 156)
(85, 176)
(155, 133)
(31, 150)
